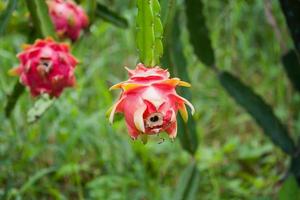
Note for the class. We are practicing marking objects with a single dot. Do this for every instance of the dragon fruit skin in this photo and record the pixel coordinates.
(68, 18)
(149, 102)
(46, 67)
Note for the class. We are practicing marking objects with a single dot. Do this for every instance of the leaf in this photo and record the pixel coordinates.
(291, 65)
(149, 32)
(40, 17)
(5, 16)
(289, 190)
(199, 34)
(259, 110)
(188, 183)
(39, 108)
(108, 15)
(13, 98)
(291, 10)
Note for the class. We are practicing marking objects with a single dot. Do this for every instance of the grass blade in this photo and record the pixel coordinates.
(37, 176)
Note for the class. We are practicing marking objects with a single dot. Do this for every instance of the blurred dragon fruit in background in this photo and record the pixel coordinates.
(149, 102)
(68, 18)
(46, 67)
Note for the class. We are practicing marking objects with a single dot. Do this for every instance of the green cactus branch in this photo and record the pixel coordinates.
(5, 16)
(176, 61)
(108, 15)
(149, 32)
(40, 17)
(244, 95)
(13, 98)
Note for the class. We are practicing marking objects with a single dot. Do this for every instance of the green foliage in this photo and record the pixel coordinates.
(259, 110)
(199, 34)
(30, 183)
(149, 32)
(5, 16)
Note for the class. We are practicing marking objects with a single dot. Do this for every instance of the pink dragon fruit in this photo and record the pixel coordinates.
(67, 17)
(149, 102)
(46, 67)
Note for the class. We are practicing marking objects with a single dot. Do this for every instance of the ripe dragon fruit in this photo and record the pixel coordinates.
(67, 17)
(149, 102)
(46, 67)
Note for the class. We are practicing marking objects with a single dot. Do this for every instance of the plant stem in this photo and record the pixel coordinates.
(13, 97)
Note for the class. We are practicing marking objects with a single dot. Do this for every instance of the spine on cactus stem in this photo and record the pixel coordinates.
(149, 32)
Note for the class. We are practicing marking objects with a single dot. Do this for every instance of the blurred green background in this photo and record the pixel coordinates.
(73, 153)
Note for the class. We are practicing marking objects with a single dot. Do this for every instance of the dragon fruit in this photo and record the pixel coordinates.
(68, 18)
(46, 67)
(149, 102)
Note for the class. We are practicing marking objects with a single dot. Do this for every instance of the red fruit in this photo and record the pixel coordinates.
(149, 102)
(68, 18)
(46, 67)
